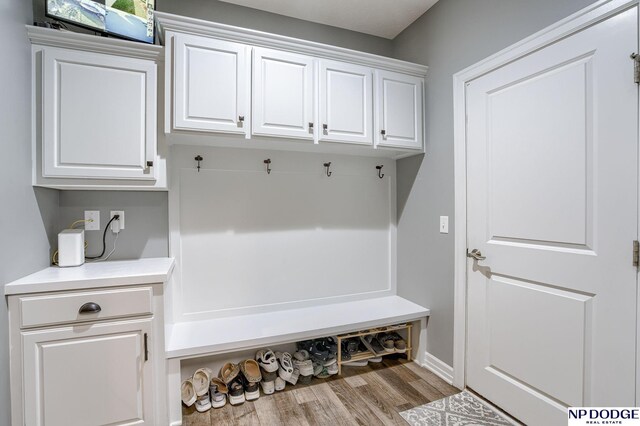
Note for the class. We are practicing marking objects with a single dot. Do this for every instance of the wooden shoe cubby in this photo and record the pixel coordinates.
(368, 354)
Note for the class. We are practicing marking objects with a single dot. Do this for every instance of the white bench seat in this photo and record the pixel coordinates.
(229, 334)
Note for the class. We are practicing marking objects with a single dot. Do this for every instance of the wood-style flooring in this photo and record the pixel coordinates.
(371, 395)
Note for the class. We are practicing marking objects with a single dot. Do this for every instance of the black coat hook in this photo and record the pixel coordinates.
(199, 159)
(268, 163)
(380, 174)
(327, 166)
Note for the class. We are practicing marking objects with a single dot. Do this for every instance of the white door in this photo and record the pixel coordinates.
(346, 106)
(283, 103)
(211, 91)
(87, 375)
(99, 115)
(398, 110)
(552, 204)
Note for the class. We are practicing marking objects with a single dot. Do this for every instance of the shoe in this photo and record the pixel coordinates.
(360, 363)
(372, 344)
(294, 376)
(269, 387)
(280, 384)
(344, 351)
(376, 359)
(332, 369)
(398, 342)
(317, 368)
(267, 360)
(305, 380)
(286, 366)
(251, 391)
(188, 393)
(324, 373)
(203, 403)
(218, 393)
(200, 380)
(387, 342)
(302, 362)
(330, 361)
(352, 345)
(251, 371)
(229, 372)
(236, 393)
(269, 376)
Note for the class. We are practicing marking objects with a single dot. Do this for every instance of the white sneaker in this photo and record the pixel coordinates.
(286, 367)
(268, 387)
(280, 384)
(294, 376)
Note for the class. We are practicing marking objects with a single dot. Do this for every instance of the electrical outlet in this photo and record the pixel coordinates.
(121, 219)
(94, 217)
(444, 224)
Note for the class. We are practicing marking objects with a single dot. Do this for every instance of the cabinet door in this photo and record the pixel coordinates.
(211, 85)
(398, 110)
(346, 107)
(99, 116)
(88, 375)
(282, 94)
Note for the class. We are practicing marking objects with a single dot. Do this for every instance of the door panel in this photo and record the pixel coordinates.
(99, 115)
(88, 375)
(282, 94)
(346, 106)
(399, 110)
(211, 85)
(552, 204)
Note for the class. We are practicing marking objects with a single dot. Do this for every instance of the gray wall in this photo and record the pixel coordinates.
(449, 37)
(27, 214)
(145, 214)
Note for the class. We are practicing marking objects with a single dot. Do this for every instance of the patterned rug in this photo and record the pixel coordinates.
(461, 409)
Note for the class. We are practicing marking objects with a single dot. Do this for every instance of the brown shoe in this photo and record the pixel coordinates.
(251, 370)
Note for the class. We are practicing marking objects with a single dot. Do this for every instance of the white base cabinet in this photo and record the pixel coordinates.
(88, 357)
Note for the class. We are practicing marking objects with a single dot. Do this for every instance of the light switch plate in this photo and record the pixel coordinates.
(94, 216)
(444, 224)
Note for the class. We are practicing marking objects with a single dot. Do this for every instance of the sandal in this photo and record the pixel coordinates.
(228, 372)
(236, 393)
(286, 367)
(251, 370)
(201, 379)
(222, 387)
(188, 393)
(267, 360)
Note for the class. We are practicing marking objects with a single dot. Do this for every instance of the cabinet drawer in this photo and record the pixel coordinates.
(65, 307)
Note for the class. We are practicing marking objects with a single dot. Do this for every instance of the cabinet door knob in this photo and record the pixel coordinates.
(149, 163)
(325, 127)
(241, 118)
(310, 126)
(90, 308)
(383, 132)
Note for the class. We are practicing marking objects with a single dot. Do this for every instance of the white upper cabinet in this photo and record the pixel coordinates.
(211, 89)
(98, 116)
(346, 105)
(283, 102)
(399, 110)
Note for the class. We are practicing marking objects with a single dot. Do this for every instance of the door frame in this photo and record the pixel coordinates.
(586, 17)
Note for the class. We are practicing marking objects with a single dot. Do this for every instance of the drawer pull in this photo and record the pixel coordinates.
(90, 308)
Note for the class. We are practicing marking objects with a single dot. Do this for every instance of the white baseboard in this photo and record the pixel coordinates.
(176, 423)
(438, 367)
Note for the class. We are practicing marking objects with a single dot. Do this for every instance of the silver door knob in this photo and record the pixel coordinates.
(476, 254)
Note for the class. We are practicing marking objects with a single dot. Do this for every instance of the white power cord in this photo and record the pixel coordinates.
(115, 240)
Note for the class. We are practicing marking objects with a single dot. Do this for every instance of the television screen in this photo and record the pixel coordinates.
(130, 19)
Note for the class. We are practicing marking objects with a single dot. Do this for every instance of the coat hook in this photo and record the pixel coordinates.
(327, 166)
(268, 163)
(380, 174)
(199, 159)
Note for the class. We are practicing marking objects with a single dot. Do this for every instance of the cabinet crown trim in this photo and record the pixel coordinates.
(91, 43)
(175, 23)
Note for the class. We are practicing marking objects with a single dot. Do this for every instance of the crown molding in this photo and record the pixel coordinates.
(168, 22)
(91, 43)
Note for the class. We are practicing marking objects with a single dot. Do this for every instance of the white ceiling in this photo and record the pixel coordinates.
(383, 18)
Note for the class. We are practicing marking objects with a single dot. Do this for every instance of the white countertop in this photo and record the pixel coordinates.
(94, 275)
